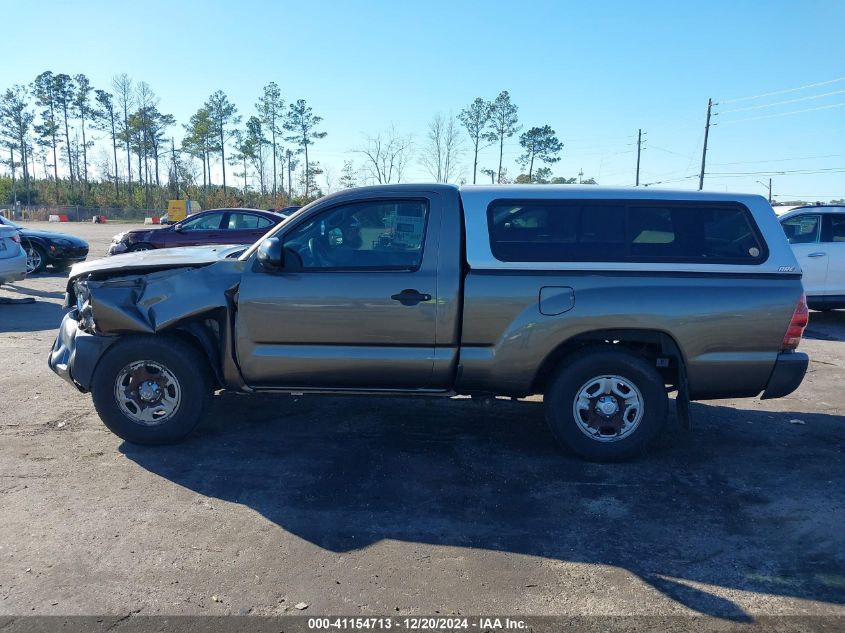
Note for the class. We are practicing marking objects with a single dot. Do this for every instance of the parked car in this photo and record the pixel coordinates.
(602, 300)
(817, 236)
(215, 226)
(12, 256)
(49, 248)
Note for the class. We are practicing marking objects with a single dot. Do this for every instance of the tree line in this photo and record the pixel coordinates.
(267, 160)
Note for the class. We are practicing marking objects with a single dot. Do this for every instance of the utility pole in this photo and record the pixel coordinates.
(704, 151)
(289, 154)
(639, 149)
(175, 165)
(580, 175)
(760, 182)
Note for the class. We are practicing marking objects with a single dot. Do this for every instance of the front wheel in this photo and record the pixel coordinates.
(608, 405)
(137, 248)
(151, 389)
(36, 259)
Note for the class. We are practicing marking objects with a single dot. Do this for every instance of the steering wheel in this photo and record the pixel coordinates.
(318, 252)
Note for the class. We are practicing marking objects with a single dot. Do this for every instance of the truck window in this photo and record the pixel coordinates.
(378, 235)
(620, 231)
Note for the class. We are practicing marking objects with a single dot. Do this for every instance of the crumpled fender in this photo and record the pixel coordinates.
(153, 302)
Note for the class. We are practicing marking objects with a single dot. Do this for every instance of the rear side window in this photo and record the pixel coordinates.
(247, 222)
(622, 231)
(836, 230)
(802, 229)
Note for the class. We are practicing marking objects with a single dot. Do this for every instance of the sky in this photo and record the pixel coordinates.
(595, 72)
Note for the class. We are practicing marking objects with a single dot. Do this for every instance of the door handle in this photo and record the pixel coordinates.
(410, 297)
(816, 254)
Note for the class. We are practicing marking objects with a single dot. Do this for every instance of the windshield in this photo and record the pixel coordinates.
(8, 222)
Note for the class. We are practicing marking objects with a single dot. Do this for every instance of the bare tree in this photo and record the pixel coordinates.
(386, 155)
(443, 147)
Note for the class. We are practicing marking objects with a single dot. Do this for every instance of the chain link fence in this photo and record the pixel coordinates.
(78, 213)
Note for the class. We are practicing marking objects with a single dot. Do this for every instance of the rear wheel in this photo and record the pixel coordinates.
(606, 405)
(151, 389)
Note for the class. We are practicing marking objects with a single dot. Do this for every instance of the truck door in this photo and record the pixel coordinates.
(360, 312)
(804, 234)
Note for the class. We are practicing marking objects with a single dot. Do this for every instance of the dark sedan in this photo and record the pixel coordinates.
(48, 248)
(215, 226)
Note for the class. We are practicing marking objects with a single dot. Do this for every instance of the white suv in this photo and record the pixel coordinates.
(817, 236)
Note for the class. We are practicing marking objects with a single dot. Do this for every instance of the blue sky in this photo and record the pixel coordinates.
(595, 72)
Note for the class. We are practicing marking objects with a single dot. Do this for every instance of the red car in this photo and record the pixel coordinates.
(215, 226)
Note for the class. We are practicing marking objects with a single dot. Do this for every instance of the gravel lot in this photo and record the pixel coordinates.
(400, 506)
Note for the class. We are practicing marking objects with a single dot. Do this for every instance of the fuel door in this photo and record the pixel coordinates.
(556, 300)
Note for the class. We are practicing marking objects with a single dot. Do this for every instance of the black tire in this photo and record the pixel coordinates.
(141, 246)
(42, 264)
(575, 373)
(185, 362)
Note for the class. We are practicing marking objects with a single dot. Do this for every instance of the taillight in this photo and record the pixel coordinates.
(800, 318)
(16, 238)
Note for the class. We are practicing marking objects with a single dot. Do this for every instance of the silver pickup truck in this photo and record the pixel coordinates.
(602, 300)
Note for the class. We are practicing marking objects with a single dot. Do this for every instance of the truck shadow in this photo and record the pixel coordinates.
(746, 501)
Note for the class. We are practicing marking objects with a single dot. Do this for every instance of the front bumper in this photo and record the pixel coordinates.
(787, 375)
(67, 253)
(75, 353)
(116, 248)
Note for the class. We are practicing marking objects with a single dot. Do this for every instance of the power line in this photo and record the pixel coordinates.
(811, 195)
(786, 172)
(777, 160)
(781, 92)
(669, 151)
(772, 116)
(777, 103)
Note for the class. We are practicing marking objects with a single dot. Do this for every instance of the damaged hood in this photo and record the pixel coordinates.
(157, 259)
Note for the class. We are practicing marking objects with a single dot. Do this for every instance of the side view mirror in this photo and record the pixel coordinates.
(273, 257)
(177, 227)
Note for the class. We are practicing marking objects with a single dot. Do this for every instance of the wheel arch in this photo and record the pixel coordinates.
(204, 331)
(654, 345)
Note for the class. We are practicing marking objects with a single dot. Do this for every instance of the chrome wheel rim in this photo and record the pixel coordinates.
(147, 392)
(33, 259)
(608, 408)
(139, 249)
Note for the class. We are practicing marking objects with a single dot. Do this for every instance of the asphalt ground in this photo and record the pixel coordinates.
(404, 506)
